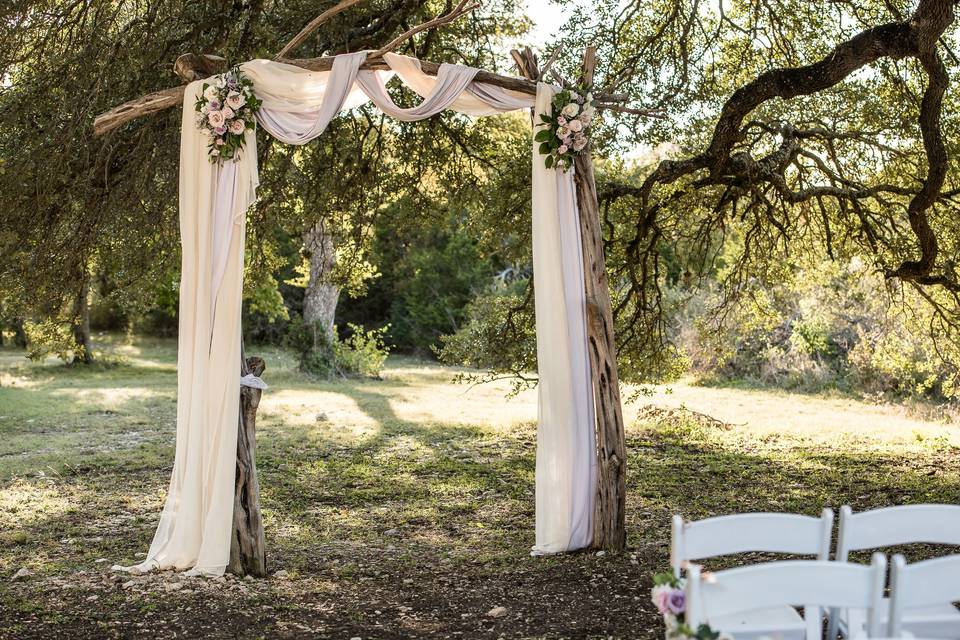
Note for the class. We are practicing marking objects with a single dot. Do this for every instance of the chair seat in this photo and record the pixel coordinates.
(940, 621)
(782, 623)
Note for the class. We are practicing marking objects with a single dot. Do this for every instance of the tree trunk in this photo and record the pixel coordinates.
(19, 335)
(81, 327)
(248, 552)
(609, 527)
(320, 298)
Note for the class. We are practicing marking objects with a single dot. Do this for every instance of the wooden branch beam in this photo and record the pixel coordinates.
(313, 25)
(142, 106)
(167, 98)
(191, 66)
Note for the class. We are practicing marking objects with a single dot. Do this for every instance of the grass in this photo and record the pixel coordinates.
(402, 507)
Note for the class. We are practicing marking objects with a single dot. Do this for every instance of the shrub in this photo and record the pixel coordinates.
(362, 353)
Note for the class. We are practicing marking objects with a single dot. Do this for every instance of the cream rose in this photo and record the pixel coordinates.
(216, 119)
(235, 100)
(571, 110)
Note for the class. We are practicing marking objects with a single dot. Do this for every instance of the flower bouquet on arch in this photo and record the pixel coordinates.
(226, 109)
(563, 132)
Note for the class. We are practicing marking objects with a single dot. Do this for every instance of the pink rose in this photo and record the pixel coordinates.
(237, 126)
(219, 142)
(563, 149)
(561, 120)
(575, 125)
(227, 113)
(222, 129)
(662, 597)
(216, 119)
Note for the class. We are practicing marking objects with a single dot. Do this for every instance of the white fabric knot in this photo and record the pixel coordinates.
(253, 382)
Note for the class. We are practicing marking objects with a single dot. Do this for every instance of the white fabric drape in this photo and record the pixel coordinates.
(195, 525)
(566, 458)
(297, 105)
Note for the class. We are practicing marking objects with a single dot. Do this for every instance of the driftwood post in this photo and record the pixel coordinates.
(248, 549)
(609, 522)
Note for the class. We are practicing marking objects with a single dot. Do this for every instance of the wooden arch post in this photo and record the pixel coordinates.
(609, 521)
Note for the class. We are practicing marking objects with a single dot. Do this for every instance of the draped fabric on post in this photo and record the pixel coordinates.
(297, 105)
(566, 457)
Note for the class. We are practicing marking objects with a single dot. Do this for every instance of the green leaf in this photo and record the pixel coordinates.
(543, 135)
(548, 162)
(545, 148)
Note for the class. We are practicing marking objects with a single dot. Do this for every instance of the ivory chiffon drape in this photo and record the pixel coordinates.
(196, 522)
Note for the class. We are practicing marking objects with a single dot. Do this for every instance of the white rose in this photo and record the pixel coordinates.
(588, 114)
(219, 82)
(571, 110)
(216, 119)
(575, 126)
(210, 93)
(235, 100)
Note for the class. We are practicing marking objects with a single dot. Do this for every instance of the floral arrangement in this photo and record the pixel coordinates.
(225, 111)
(669, 595)
(564, 132)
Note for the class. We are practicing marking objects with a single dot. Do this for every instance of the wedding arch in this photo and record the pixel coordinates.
(211, 519)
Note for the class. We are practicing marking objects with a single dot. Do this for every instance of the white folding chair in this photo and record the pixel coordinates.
(887, 527)
(925, 584)
(754, 532)
(723, 597)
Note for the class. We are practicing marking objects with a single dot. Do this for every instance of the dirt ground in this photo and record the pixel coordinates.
(401, 508)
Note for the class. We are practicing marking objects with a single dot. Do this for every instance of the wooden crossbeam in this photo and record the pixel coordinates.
(167, 98)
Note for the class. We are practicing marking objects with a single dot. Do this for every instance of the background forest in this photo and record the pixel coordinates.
(383, 236)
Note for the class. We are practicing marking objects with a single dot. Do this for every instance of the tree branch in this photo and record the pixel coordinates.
(313, 25)
(460, 10)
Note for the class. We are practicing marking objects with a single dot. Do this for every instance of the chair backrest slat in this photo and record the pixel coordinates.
(807, 583)
(750, 532)
(922, 584)
(906, 524)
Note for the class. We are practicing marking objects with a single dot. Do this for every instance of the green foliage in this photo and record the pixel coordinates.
(46, 337)
(434, 286)
(362, 354)
(498, 338)
(826, 326)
